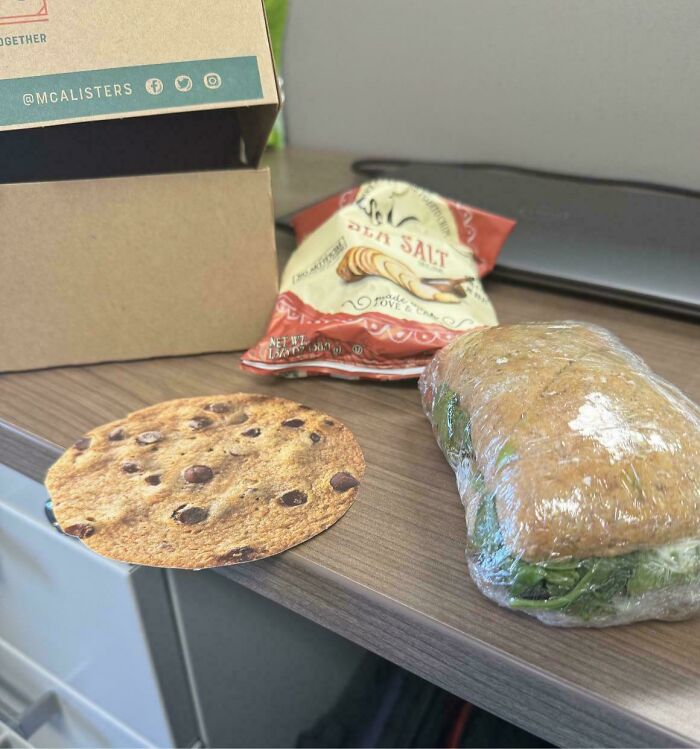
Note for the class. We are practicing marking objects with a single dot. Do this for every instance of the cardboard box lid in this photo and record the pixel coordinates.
(132, 87)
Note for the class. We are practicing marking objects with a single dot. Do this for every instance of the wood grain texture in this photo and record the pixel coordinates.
(391, 574)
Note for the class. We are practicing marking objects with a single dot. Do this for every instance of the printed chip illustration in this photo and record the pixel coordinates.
(23, 11)
(359, 262)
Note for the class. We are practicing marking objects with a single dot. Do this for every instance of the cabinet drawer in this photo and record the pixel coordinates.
(37, 709)
(98, 626)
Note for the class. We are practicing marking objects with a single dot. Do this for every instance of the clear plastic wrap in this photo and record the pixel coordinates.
(578, 468)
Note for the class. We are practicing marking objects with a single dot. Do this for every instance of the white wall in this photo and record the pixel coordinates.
(597, 87)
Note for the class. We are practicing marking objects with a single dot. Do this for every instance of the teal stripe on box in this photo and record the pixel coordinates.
(91, 93)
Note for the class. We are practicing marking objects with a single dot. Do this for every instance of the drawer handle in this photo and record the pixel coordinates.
(34, 716)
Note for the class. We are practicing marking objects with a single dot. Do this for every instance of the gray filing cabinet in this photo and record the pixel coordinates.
(89, 650)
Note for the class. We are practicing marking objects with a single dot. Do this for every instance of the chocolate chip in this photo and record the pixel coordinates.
(81, 530)
(198, 474)
(254, 432)
(217, 408)
(239, 554)
(82, 444)
(305, 408)
(344, 481)
(153, 480)
(201, 422)
(293, 423)
(117, 434)
(329, 422)
(131, 467)
(148, 438)
(293, 498)
(190, 515)
(315, 437)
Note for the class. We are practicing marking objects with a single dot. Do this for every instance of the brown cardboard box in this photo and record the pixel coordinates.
(97, 264)
(138, 278)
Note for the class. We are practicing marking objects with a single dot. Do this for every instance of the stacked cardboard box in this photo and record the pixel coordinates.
(134, 221)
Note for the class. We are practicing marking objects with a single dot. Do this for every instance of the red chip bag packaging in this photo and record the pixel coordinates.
(384, 276)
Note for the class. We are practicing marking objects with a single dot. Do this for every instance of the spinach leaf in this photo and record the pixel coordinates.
(677, 564)
(583, 588)
(452, 425)
(506, 454)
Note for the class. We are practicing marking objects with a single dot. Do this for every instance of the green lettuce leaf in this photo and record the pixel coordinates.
(452, 425)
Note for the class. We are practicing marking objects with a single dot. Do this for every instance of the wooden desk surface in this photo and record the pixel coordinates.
(391, 575)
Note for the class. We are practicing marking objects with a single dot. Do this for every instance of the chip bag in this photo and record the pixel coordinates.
(385, 275)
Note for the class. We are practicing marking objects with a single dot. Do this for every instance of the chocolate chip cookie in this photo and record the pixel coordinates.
(205, 482)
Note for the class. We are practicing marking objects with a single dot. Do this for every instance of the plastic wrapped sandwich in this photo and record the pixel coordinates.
(579, 471)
